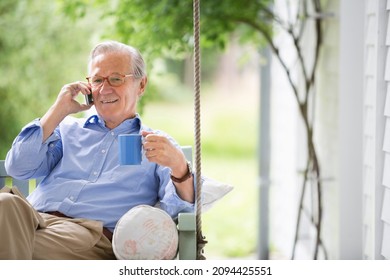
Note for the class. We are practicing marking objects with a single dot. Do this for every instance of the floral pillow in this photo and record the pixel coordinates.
(145, 233)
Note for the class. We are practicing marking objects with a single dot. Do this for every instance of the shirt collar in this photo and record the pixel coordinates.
(127, 126)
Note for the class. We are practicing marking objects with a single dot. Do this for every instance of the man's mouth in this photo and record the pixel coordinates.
(109, 101)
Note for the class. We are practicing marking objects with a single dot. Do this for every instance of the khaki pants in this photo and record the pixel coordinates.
(26, 234)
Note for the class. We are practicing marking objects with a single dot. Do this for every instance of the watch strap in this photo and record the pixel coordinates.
(185, 177)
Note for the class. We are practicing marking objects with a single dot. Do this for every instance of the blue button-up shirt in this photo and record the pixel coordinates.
(82, 175)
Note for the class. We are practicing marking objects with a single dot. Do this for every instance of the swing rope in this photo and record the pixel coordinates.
(201, 242)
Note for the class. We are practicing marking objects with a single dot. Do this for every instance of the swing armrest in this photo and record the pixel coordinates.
(186, 225)
(187, 236)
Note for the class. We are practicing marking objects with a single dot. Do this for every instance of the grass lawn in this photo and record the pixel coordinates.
(229, 154)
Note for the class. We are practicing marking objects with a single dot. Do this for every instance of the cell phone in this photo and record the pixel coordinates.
(89, 98)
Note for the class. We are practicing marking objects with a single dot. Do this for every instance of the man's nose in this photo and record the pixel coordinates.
(105, 87)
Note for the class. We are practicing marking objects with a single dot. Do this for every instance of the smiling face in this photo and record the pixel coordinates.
(116, 104)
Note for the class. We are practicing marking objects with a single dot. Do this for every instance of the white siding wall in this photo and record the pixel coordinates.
(373, 126)
(369, 127)
(385, 249)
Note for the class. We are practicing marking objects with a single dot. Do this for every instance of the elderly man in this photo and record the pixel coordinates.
(85, 191)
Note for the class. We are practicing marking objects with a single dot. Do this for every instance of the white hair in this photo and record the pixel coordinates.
(137, 63)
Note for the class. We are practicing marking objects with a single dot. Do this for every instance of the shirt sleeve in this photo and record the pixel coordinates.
(29, 157)
(173, 204)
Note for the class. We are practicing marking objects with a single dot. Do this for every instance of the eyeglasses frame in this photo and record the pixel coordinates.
(106, 78)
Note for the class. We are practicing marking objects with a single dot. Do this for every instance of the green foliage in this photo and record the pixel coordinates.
(40, 51)
(165, 27)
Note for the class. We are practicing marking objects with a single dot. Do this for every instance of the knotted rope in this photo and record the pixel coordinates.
(201, 242)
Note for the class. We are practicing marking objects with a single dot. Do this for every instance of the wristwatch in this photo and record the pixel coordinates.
(185, 177)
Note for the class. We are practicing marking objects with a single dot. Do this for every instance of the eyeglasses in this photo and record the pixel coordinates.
(114, 80)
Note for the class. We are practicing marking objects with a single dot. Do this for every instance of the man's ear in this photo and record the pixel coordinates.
(142, 85)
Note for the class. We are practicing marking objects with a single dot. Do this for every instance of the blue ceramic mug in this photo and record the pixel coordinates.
(130, 149)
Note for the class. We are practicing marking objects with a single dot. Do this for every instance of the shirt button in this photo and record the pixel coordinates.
(103, 151)
(71, 198)
(95, 173)
(51, 145)
(112, 133)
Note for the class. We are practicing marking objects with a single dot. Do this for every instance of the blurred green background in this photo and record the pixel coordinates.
(45, 44)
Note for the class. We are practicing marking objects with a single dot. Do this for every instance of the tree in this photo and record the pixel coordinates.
(164, 27)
